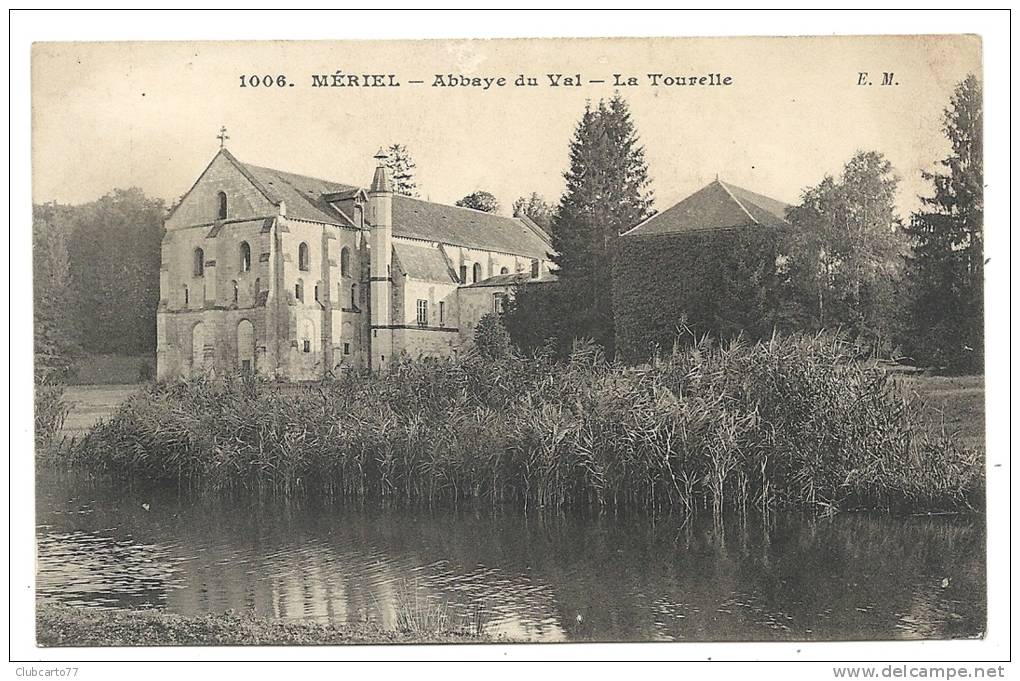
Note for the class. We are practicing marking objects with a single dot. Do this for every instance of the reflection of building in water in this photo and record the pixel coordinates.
(350, 580)
(629, 579)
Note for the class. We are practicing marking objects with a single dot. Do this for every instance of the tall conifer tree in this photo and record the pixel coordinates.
(606, 194)
(946, 267)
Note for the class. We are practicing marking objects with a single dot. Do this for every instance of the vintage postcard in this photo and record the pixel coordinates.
(509, 341)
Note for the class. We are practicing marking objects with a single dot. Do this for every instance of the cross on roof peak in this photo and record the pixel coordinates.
(223, 136)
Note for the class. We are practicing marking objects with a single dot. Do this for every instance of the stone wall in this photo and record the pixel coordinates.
(474, 303)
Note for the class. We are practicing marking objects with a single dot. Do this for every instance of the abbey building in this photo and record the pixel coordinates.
(298, 278)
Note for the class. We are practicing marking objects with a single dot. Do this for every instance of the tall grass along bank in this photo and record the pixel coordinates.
(792, 422)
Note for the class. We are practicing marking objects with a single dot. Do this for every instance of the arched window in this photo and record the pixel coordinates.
(236, 293)
(503, 270)
(245, 257)
(345, 262)
(258, 286)
(354, 296)
(299, 291)
(463, 274)
(317, 294)
(302, 257)
(221, 211)
(476, 272)
(199, 262)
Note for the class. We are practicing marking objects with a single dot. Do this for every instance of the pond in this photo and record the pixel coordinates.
(534, 578)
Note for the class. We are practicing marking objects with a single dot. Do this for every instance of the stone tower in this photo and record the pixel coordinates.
(380, 218)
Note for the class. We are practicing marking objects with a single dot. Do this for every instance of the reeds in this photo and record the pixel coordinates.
(792, 422)
(51, 410)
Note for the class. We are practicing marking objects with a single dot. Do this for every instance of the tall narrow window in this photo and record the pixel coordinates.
(345, 262)
(307, 335)
(245, 257)
(304, 262)
(354, 296)
(442, 313)
(317, 294)
(498, 302)
(423, 313)
(236, 292)
(476, 272)
(199, 262)
(463, 274)
(221, 209)
(258, 286)
(186, 298)
(245, 345)
(299, 291)
(534, 269)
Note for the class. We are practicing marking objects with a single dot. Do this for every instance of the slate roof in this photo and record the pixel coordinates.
(718, 205)
(303, 194)
(465, 227)
(306, 200)
(424, 262)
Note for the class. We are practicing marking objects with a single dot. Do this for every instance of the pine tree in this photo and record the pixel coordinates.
(606, 194)
(401, 170)
(946, 266)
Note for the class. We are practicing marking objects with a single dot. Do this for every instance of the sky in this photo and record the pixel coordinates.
(114, 115)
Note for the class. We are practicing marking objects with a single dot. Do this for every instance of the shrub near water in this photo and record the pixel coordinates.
(794, 422)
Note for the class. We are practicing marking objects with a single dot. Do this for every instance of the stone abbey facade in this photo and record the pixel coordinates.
(298, 278)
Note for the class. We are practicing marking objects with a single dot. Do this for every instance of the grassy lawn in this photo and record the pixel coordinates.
(115, 369)
(66, 626)
(91, 404)
(959, 400)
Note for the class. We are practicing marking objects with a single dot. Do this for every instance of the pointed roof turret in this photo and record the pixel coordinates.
(381, 181)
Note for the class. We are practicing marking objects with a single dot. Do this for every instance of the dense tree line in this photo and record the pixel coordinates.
(96, 279)
(845, 261)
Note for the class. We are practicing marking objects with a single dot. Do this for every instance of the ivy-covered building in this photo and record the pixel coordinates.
(710, 263)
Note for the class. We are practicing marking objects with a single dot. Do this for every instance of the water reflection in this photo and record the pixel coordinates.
(535, 578)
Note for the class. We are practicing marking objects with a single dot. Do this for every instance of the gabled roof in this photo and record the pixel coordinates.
(309, 198)
(718, 205)
(465, 227)
(424, 262)
(305, 196)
